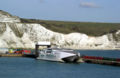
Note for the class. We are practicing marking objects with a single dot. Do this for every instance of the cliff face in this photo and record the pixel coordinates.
(15, 34)
(6, 17)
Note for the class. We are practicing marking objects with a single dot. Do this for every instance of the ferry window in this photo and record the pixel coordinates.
(49, 51)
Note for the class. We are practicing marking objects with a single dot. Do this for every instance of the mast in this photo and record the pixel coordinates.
(36, 50)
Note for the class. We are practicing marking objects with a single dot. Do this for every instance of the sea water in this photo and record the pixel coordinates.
(19, 67)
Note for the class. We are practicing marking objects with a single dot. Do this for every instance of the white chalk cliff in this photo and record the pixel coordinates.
(15, 34)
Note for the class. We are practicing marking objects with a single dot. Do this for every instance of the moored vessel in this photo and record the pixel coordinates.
(56, 54)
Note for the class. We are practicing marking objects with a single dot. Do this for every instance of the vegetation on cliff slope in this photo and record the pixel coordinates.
(89, 28)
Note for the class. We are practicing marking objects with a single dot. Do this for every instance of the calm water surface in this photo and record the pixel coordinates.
(31, 68)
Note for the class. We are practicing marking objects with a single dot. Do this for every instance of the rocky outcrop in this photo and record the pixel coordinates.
(15, 34)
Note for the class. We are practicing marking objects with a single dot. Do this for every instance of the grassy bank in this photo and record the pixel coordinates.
(89, 28)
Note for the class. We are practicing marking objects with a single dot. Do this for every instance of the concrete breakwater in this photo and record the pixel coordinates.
(17, 55)
(101, 60)
(11, 55)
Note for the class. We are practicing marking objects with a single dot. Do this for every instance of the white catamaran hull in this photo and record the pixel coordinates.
(57, 55)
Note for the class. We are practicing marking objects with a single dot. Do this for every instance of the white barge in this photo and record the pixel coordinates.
(56, 54)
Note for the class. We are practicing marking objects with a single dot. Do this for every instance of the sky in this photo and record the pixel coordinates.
(65, 10)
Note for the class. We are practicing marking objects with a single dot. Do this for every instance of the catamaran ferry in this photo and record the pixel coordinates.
(56, 54)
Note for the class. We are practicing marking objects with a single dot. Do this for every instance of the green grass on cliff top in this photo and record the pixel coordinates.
(89, 28)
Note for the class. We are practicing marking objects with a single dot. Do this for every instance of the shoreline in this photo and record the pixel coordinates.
(70, 48)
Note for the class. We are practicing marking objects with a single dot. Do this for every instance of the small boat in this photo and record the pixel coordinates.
(56, 54)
